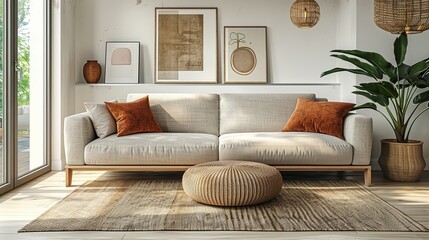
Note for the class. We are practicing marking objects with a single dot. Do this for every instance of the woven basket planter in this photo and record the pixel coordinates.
(397, 16)
(402, 161)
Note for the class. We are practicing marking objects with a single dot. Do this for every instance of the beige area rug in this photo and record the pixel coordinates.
(148, 205)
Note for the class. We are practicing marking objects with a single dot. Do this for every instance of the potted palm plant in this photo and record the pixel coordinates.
(402, 92)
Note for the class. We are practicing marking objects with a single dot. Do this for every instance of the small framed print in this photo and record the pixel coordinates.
(122, 62)
(186, 45)
(245, 55)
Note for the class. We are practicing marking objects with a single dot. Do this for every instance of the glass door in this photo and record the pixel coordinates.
(25, 145)
(31, 86)
(3, 167)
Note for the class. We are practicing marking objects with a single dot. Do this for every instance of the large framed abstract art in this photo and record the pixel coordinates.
(186, 45)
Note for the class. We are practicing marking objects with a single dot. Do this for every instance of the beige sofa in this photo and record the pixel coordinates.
(200, 128)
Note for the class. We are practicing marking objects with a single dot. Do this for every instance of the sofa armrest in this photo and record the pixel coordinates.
(358, 132)
(78, 132)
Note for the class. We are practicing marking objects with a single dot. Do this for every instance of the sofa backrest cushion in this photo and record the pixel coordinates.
(254, 112)
(186, 113)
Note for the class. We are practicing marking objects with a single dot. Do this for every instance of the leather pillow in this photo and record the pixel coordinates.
(319, 117)
(133, 117)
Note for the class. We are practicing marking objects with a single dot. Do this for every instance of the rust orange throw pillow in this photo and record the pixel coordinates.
(319, 117)
(133, 117)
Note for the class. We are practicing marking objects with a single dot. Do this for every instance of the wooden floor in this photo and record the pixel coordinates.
(24, 204)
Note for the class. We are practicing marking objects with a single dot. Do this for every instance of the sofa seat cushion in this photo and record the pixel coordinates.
(153, 149)
(285, 148)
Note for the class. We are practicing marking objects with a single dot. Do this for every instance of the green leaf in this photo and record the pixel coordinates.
(366, 89)
(421, 98)
(360, 88)
(417, 81)
(380, 99)
(366, 106)
(403, 71)
(375, 59)
(418, 68)
(410, 80)
(404, 85)
(400, 49)
(364, 66)
(381, 88)
(355, 71)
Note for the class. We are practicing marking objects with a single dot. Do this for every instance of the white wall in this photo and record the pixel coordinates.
(63, 77)
(346, 39)
(36, 86)
(296, 57)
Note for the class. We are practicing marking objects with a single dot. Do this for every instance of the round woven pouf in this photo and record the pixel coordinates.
(232, 183)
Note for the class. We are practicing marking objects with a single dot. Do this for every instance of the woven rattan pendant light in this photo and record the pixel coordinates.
(397, 16)
(305, 13)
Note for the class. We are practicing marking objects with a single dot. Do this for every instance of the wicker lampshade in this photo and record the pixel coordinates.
(305, 13)
(397, 16)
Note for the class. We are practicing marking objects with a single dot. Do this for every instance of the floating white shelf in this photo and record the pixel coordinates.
(199, 84)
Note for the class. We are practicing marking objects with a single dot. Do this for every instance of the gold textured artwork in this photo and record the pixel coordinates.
(181, 42)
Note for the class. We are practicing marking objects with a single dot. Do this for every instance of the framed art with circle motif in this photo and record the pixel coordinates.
(245, 55)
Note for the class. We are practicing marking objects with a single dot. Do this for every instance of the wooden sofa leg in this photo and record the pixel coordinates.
(69, 177)
(367, 176)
